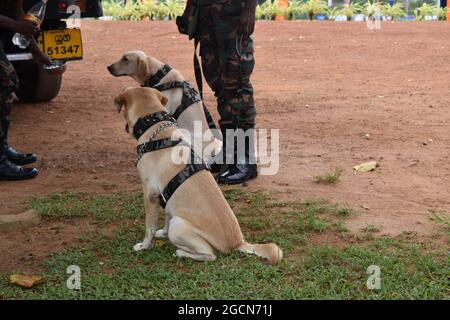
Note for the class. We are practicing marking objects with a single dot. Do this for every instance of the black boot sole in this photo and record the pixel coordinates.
(247, 178)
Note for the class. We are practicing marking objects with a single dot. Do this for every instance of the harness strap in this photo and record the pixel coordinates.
(190, 95)
(180, 178)
(154, 145)
(157, 77)
(169, 85)
(143, 124)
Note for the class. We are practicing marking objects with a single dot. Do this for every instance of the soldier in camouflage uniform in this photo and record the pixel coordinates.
(10, 159)
(223, 28)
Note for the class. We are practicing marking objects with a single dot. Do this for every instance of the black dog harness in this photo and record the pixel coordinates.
(190, 95)
(143, 124)
(197, 165)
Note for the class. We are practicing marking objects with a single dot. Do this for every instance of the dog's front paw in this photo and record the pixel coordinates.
(161, 234)
(142, 246)
(138, 247)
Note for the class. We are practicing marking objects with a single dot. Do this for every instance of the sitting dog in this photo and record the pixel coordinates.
(184, 103)
(199, 221)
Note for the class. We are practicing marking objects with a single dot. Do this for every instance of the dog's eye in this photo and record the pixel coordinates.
(125, 59)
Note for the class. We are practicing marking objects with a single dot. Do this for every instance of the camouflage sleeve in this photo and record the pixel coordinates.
(8, 75)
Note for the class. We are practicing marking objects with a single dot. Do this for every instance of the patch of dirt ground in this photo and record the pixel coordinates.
(325, 85)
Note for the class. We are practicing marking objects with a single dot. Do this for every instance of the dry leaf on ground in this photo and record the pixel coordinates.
(25, 281)
(366, 166)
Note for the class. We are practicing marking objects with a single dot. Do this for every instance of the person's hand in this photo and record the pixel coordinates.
(248, 18)
(41, 58)
(25, 27)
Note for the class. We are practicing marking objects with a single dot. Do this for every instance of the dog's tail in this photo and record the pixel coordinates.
(269, 251)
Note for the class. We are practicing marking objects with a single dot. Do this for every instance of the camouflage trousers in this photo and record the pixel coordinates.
(227, 62)
(8, 83)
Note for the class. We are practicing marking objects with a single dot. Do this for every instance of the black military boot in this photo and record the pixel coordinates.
(19, 158)
(215, 167)
(217, 162)
(9, 171)
(13, 156)
(244, 166)
(220, 164)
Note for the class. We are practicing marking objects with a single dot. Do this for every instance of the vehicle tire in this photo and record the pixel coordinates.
(37, 84)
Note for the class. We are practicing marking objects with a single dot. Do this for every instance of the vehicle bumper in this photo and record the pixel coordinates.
(28, 57)
(23, 56)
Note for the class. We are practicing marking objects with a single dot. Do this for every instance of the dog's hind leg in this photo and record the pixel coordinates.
(189, 243)
(199, 257)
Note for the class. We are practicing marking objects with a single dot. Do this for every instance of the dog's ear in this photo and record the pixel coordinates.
(142, 68)
(120, 101)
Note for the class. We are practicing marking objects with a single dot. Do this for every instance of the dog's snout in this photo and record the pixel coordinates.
(112, 68)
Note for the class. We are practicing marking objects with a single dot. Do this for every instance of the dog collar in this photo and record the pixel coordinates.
(144, 123)
(158, 76)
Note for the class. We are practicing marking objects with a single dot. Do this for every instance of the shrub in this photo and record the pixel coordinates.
(394, 12)
(314, 7)
(349, 10)
(427, 10)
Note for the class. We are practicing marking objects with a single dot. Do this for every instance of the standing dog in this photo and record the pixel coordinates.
(199, 221)
(140, 67)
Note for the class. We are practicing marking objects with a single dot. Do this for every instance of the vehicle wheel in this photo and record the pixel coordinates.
(38, 85)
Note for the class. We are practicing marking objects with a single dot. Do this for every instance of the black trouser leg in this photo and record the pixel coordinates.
(9, 170)
(5, 110)
(12, 155)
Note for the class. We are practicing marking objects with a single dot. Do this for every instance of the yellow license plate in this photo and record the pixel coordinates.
(64, 44)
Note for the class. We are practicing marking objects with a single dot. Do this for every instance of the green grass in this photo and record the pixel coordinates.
(370, 228)
(441, 217)
(329, 177)
(110, 269)
(102, 208)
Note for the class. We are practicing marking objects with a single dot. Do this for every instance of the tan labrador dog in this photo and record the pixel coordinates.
(139, 66)
(199, 221)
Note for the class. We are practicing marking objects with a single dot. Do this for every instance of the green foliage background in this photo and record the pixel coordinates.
(298, 9)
